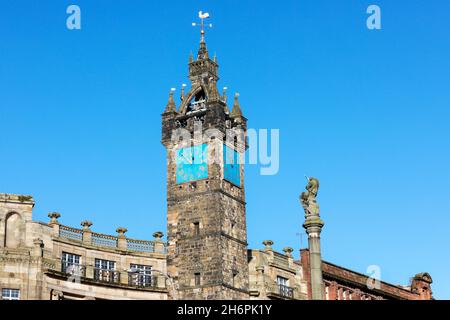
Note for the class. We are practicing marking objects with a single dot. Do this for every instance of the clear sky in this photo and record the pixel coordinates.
(366, 112)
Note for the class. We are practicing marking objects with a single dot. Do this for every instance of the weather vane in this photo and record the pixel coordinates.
(202, 24)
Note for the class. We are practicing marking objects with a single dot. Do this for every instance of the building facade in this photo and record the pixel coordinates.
(206, 254)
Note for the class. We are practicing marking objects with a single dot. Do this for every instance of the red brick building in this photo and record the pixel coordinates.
(340, 283)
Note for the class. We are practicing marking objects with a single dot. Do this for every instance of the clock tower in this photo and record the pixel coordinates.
(206, 222)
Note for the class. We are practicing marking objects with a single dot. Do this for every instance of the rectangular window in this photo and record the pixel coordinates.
(196, 228)
(10, 294)
(70, 263)
(234, 278)
(197, 279)
(71, 258)
(105, 264)
(282, 281)
(105, 271)
(140, 275)
(283, 287)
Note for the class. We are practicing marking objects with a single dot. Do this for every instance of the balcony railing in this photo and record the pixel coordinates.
(73, 269)
(285, 291)
(109, 241)
(141, 280)
(135, 279)
(106, 275)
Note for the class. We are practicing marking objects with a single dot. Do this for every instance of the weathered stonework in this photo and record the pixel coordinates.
(216, 252)
(205, 256)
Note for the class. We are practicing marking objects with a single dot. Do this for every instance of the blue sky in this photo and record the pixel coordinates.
(366, 112)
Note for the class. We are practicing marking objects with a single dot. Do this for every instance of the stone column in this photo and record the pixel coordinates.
(313, 226)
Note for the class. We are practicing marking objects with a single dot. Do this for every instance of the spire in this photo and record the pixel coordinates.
(236, 107)
(224, 99)
(204, 71)
(202, 51)
(171, 107)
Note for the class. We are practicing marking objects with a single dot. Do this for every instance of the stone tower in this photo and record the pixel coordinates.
(206, 222)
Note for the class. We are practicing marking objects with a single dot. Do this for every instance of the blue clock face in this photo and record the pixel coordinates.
(192, 163)
(231, 167)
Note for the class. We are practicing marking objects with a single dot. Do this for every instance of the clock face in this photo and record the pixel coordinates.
(192, 163)
(231, 167)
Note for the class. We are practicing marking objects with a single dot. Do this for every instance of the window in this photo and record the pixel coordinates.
(105, 271)
(197, 278)
(283, 287)
(10, 294)
(282, 281)
(105, 264)
(140, 275)
(235, 273)
(71, 263)
(196, 228)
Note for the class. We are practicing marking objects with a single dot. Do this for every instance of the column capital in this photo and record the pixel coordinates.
(313, 224)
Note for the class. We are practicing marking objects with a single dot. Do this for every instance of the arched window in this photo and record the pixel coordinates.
(14, 230)
(197, 102)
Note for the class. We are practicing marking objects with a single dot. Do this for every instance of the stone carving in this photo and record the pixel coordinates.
(86, 224)
(121, 231)
(54, 217)
(25, 198)
(308, 198)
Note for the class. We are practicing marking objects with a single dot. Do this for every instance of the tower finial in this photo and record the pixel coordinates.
(171, 107)
(202, 24)
(183, 86)
(236, 112)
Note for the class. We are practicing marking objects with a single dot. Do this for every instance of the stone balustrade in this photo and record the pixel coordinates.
(121, 242)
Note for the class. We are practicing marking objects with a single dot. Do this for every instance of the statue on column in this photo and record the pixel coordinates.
(308, 198)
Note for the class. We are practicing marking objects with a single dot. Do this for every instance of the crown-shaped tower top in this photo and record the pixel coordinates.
(201, 101)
